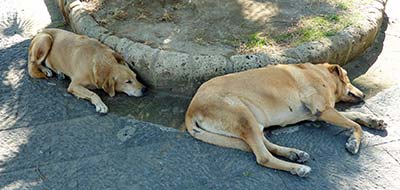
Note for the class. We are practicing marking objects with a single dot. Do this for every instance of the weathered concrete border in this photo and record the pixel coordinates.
(183, 73)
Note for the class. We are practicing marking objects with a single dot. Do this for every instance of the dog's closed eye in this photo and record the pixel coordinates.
(351, 94)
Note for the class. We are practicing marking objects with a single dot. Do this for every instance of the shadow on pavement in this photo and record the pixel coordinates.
(51, 140)
(14, 26)
(369, 57)
(54, 141)
(360, 65)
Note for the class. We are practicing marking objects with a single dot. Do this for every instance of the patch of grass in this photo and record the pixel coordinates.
(57, 25)
(231, 41)
(344, 4)
(258, 39)
(340, 4)
(332, 18)
(120, 14)
(283, 38)
(307, 29)
(314, 28)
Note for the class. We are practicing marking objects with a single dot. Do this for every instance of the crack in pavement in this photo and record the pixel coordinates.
(384, 143)
(394, 158)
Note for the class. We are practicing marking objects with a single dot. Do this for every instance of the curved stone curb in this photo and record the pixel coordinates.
(183, 73)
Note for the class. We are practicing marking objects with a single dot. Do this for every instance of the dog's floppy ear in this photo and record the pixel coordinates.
(119, 58)
(338, 71)
(109, 86)
(103, 78)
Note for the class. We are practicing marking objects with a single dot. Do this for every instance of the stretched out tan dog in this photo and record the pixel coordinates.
(89, 64)
(232, 110)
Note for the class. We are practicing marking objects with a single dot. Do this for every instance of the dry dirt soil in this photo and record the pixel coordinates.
(205, 26)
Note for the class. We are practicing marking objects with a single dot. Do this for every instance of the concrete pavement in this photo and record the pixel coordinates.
(51, 140)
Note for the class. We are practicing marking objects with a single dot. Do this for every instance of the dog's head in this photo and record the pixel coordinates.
(345, 92)
(117, 77)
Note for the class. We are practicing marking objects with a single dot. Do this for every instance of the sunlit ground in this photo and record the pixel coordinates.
(19, 20)
(22, 18)
(33, 15)
(385, 72)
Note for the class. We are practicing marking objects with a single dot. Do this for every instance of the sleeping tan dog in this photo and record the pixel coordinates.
(89, 64)
(232, 110)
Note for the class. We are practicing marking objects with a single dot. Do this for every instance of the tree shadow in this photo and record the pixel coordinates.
(360, 65)
(25, 104)
(31, 121)
(29, 108)
(14, 25)
(369, 57)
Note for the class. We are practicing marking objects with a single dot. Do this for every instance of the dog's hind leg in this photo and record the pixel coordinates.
(201, 128)
(331, 115)
(365, 120)
(255, 138)
(290, 153)
(37, 70)
(235, 127)
(38, 51)
(220, 140)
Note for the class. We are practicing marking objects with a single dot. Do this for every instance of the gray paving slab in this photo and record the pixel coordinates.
(23, 148)
(392, 149)
(71, 139)
(51, 140)
(46, 177)
(26, 101)
(154, 157)
(190, 164)
(383, 105)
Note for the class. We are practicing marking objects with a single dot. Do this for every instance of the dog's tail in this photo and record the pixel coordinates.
(38, 50)
(199, 132)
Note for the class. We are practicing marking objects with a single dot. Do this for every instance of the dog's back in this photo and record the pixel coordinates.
(280, 90)
(232, 110)
(69, 51)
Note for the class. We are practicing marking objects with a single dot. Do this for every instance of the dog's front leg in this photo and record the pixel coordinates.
(365, 120)
(331, 115)
(82, 92)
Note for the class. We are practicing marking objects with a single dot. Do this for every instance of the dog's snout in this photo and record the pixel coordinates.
(143, 90)
(360, 98)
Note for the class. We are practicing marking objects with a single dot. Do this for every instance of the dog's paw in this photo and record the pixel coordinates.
(377, 124)
(352, 145)
(301, 171)
(101, 107)
(299, 156)
(47, 72)
(60, 76)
